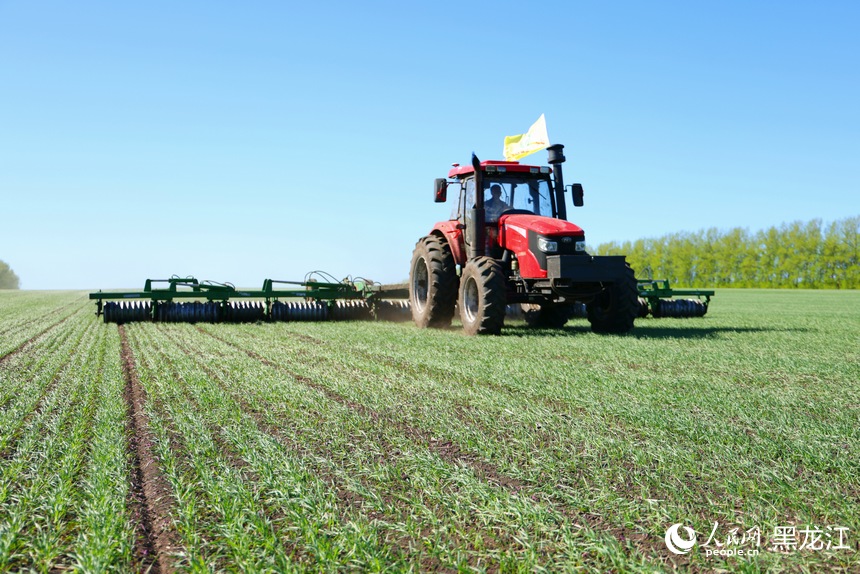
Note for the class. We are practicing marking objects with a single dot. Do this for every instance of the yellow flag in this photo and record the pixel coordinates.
(535, 139)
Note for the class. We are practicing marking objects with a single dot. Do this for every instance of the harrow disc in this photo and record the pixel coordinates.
(244, 312)
(643, 307)
(350, 311)
(395, 310)
(126, 312)
(298, 311)
(279, 312)
(193, 312)
(164, 312)
(679, 308)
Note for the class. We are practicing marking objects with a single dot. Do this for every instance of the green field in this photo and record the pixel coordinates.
(379, 446)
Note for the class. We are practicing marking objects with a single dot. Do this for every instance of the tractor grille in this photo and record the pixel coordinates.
(568, 247)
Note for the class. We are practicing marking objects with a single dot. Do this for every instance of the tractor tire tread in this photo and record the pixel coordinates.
(492, 287)
(442, 283)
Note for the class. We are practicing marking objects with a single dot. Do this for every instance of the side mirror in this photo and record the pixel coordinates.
(577, 192)
(440, 190)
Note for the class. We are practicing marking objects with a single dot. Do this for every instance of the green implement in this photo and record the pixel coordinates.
(185, 299)
(657, 298)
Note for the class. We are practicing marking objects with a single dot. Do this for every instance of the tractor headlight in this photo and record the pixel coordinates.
(547, 245)
(580, 246)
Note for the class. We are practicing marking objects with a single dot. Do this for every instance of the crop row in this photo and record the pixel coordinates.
(63, 471)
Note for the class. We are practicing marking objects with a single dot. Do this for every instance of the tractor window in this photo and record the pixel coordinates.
(523, 194)
(526, 194)
(532, 195)
(459, 209)
(467, 200)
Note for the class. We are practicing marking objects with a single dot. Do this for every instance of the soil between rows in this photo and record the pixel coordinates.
(150, 501)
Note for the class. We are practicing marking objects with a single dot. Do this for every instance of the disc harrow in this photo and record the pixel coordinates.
(656, 298)
(679, 308)
(319, 297)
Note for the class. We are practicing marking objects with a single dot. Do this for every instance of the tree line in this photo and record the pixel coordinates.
(799, 255)
(8, 279)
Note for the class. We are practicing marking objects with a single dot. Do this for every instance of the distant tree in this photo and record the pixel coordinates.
(797, 254)
(8, 279)
(848, 237)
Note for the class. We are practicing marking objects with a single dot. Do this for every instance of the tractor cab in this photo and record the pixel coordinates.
(508, 193)
(504, 194)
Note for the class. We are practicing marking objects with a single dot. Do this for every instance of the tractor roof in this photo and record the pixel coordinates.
(460, 171)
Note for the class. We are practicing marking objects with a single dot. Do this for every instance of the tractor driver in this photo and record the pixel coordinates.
(495, 206)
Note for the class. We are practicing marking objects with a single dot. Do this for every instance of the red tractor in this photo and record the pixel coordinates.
(508, 242)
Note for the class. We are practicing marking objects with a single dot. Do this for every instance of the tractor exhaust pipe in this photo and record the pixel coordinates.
(477, 232)
(555, 157)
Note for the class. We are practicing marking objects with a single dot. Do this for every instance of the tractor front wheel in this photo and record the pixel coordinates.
(614, 310)
(432, 283)
(483, 297)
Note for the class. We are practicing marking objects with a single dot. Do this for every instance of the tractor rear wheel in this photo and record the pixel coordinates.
(432, 283)
(547, 315)
(483, 297)
(614, 310)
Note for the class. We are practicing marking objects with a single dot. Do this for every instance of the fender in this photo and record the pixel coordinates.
(456, 241)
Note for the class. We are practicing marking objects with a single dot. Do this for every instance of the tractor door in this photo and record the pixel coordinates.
(467, 203)
(464, 217)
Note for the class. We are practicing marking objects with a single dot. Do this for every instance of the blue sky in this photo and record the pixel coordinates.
(239, 141)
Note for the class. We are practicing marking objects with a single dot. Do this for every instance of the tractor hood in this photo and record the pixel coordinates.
(532, 238)
(546, 226)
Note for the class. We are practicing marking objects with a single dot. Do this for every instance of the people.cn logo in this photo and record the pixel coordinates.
(678, 544)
